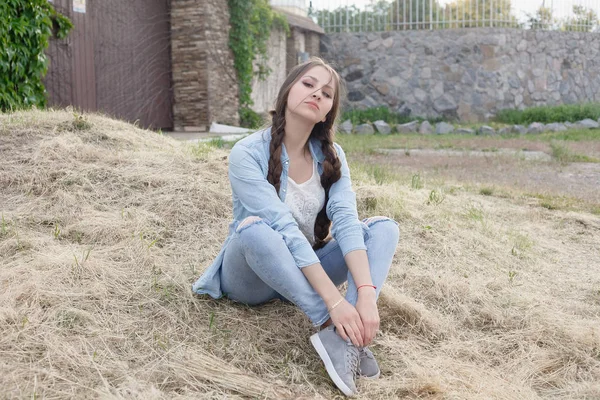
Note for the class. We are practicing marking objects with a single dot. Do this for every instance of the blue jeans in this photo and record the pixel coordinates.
(258, 266)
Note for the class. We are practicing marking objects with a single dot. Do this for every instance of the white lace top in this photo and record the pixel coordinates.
(305, 200)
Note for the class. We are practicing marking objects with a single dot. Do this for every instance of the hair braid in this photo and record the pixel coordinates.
(331, 174)
(275, 167)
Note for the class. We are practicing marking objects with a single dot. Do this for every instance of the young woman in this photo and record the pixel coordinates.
(290, 185)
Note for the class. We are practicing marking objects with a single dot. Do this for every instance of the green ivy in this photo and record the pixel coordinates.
(251, 23)
(25, 28)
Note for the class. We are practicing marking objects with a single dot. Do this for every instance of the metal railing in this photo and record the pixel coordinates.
(393, 15)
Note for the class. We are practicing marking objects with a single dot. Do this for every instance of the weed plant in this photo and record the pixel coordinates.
(549, 114)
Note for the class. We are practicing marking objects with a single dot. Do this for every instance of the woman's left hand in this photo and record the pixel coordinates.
(366, 305)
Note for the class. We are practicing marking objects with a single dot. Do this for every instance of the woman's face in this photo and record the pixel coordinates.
(311, 97)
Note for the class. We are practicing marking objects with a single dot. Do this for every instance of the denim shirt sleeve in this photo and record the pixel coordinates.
(341, 209)
(260, 199)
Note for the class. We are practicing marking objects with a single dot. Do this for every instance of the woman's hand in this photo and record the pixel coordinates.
(348, 322)
(366, 306)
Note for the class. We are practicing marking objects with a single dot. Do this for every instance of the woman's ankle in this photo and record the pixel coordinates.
(326, 324)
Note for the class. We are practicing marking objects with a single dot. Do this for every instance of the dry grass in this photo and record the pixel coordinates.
(105, 226)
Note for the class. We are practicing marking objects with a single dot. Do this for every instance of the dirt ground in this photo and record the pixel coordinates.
(533, 172)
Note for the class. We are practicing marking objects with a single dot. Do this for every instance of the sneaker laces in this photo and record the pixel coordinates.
(352, 359)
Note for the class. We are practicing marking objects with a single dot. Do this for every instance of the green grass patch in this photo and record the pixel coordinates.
(486, 191)
(548, 114)
(375, 114)
(564, 155)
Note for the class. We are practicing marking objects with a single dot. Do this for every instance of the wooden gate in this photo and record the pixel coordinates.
(117, 60)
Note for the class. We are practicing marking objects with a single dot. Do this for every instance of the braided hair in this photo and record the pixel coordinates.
(323, 131)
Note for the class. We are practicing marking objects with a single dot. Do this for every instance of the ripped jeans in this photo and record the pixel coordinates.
(258, 266)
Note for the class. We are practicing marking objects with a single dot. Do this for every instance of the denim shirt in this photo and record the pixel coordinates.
(253, 195)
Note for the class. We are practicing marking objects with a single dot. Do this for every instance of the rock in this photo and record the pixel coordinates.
(355, 95)
(382, 88)
(486, 130)
(444, 104)
(505, 131)
(535, 127)
(426, 128)
(520, 129)
(569, 125)
(587, 124)
(443, 128)
(352, 76)
(365, 129)
(382, 127)
(556, 127)
(346, 127)
(408, 128)
(465, 131)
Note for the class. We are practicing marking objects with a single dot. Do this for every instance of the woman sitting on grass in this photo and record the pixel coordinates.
(290, 184)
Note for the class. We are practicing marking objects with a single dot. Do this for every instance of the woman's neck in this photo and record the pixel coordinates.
(297, 133)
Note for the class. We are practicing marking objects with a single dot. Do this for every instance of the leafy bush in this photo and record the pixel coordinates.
(25, 27)
(250, 119)
(357, 116)
(548, 114)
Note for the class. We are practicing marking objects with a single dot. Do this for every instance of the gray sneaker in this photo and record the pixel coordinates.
(340, 358)
(368, 365)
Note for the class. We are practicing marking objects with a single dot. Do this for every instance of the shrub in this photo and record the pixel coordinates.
(549, 114)
(250, 119)
(25, 27)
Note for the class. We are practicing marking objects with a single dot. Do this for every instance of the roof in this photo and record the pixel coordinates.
(298, 21)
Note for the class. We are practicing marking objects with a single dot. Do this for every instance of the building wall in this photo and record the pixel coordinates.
(467, 74)
(223, 98)
(264, 92)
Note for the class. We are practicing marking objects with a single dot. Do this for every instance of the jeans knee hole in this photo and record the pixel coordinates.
(248, 222)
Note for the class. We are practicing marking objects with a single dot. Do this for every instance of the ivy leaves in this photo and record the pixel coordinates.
(251, 22)
(25, 27)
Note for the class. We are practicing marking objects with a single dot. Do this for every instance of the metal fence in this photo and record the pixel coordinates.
(393, 15)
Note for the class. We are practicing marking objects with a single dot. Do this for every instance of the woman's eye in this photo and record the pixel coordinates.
(327, 95)
(307, 84)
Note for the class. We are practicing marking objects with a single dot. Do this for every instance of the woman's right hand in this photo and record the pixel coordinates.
(348, 322)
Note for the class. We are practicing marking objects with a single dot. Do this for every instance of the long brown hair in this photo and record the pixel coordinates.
(323, 131)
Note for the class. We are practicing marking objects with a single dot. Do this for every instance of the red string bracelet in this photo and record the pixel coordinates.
(374, 287)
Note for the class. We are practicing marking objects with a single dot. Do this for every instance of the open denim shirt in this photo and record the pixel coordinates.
(253, 195)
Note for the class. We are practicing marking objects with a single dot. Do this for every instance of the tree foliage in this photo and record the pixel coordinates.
(25, 28)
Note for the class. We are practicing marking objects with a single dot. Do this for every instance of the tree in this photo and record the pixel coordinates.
(469, 13)
(584, 20)
(542, 19)
(25, 28)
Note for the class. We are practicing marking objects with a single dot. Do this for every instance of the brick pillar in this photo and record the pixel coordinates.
(205, 88)
(190, 77)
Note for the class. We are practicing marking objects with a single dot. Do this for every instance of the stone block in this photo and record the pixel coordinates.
(425, 128)
(443, 128)
(486, 130)
(346, 127)
(409, 127)
(382, 127)
(535, 127)
(365, 129)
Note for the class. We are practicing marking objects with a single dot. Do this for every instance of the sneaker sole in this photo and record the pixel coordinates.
(370, 377)
(318, 345)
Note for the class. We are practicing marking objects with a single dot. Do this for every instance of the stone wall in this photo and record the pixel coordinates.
(467, 74)
(205, 86)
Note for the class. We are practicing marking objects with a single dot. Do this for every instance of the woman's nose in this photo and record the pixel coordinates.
(315, 95)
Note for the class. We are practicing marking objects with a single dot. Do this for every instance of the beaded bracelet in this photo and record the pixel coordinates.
(374, 287)
(337, 303)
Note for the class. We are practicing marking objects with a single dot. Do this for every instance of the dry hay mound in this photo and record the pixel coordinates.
(105, 226)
